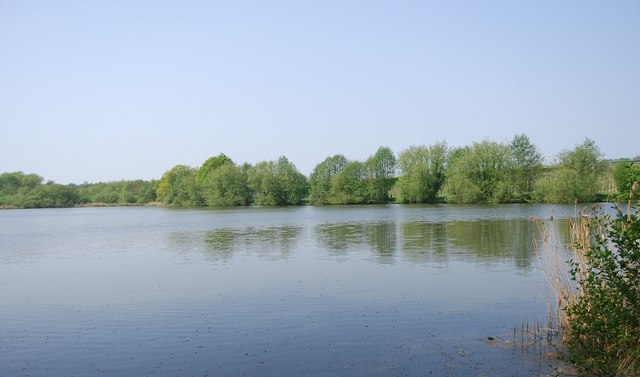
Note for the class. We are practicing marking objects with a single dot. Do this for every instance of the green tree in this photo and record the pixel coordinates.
(51, 195)
(277, 183)
(526, 167)
(422, 173)
(479, 174)
(350, 185)
(295, 183)
(99, 192)
(574, 177)
(381, 174)
(226, 185)
(178, 187)
(15, 187)
(12, 183)
(263, 182)
(322, 176)
(624, 175)
(209, 165)
(136, 192)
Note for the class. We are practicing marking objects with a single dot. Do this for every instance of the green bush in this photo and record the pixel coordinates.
(603, 336)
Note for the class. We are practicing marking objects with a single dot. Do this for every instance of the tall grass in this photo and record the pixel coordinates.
(554, 252)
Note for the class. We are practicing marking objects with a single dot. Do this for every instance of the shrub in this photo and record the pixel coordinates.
(603, 324)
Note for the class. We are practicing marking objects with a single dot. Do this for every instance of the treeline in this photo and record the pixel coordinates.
(221, 182)
(484, 172)
(19, 190)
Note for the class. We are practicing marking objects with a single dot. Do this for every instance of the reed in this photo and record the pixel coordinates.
(554, 253)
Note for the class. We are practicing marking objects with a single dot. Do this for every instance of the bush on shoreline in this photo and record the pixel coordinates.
(597, 292)
(603, 323)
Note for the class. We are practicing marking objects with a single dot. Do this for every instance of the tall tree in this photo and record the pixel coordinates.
(322, 176)
(574, 177)
(226, 185)
(526, 167)
(624, 174)
(479, 174)
(209, 165)
(277, 183)
(294, 183)
(422, 173)
(381, 169)
(178, 187)
(51, 195)
(350, 185)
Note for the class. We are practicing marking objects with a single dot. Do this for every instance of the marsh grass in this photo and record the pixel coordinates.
(554, 253)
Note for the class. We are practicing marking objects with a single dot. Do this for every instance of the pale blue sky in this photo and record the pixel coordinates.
(109, 90)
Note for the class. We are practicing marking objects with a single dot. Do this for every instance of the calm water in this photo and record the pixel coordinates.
(330, 291)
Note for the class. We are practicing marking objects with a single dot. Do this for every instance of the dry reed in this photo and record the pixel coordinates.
(555, 254)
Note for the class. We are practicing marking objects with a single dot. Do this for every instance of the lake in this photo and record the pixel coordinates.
(395, 290)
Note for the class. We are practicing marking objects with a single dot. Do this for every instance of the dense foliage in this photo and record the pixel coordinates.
(120, 192)
(625, 174)
(484, 172)
(220, 182)
(277, 183)
(479, 174)
(574, 176)
(526, 167)
(491, 172)
(603, 336)
(423, 173)
(322, 178)
(19, 190)
(339, 181)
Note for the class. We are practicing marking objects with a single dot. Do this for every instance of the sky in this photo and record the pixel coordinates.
(105, 90)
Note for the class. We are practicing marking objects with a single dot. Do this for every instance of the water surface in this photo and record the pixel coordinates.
(351, 291)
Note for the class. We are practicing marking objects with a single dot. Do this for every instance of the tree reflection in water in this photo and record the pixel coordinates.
(274, 242)
(484, 242)
(340, 238)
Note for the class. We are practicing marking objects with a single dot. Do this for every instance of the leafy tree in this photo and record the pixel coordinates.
(322, 176)
(12, 183)
(178, 187)
(294, 182)
(624, 175)
(16, 189)
(381, 174)
(120, 192)
(137, 192)
(350, 185)
(458, 187)
(209, 165)
(277, 183)
(263, 182)
(51, 195)
(526, 168)
(100, 192)
(422, 173)
(479, 174)
(574, 177)
(226, 185)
